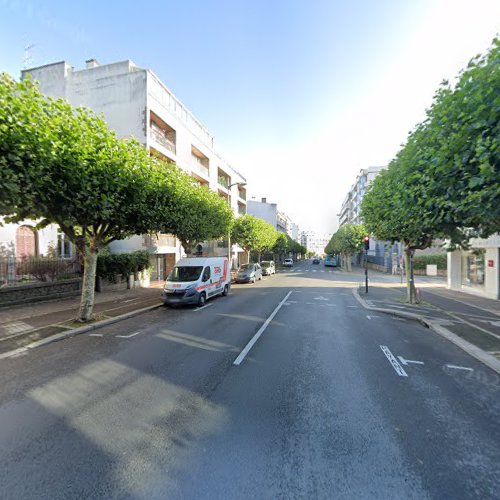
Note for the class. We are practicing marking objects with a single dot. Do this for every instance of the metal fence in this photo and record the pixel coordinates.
(15, 271)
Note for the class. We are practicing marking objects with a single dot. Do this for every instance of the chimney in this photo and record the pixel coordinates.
(264, 200)
(91, 63)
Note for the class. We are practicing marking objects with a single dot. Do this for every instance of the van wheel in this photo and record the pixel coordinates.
(202, 299)
(225, 291)
(253, 279)
(260, 277)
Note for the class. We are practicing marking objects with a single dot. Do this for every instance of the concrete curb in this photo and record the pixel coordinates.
(78, 331)
(472, 350)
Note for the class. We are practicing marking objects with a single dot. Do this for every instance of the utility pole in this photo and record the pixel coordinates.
(366, 244)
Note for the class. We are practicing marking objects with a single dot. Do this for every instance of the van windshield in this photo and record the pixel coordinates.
(185, 273)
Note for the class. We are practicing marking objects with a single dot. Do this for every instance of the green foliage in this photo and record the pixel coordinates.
(445, 180)
(254, 234)
(63, 165)
(201, 214)
(422, 260)
(112, 266)
(348, 239)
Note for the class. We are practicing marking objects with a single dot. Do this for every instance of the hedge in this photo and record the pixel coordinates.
(111, 266)
(422, 260)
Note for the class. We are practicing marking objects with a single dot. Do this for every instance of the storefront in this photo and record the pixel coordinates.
(476, 270)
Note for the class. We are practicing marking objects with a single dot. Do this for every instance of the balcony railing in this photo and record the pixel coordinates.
(159, 136)
(200, 166)
(160, 240)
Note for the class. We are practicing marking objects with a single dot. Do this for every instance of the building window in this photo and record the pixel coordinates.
(473, 268)
(63, 246)
(26, 242)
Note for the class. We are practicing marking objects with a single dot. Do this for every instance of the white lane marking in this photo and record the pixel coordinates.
(460, 368)
(394, 362)
(320, 298)
(369, 317)
(353, 307)
(95, 334)
(200, 308)
(127, 336)
(256, 337)
(406, 361)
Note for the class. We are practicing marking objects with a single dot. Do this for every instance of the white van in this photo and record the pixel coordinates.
(193, 280)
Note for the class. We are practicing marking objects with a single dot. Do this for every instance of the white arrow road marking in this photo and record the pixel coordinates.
(127, 336)
(320, 298)
(394, 362)
(406, 361)
(460, 368)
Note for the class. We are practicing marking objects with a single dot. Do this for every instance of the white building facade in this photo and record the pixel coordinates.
(270, 213)
(135, 103)
(477, 270)
(315, 242)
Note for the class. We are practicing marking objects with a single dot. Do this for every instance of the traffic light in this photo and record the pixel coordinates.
(366, 242)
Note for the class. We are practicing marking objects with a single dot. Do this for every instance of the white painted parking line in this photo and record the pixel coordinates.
(353, 307)
(256, 337)
(95, 334)
(394, 362)
(204, 307)
(320, 298)
(406, 361)
(127, 336)
(460, 368)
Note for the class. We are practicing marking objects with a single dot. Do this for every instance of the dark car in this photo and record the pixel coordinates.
(316, 260)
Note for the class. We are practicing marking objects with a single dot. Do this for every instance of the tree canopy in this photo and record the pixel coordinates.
(444, 182)
(63, 165)
(253, 234)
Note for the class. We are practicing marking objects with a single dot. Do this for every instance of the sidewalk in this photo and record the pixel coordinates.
(24, 324)
(470, 321)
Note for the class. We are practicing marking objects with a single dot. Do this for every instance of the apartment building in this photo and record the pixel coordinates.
(351, 206)
(315, 242)
(270, 213)
(136, 103)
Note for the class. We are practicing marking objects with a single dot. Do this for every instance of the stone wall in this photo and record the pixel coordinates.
(36, 292)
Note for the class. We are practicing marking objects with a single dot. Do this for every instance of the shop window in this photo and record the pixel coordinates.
(473, 268)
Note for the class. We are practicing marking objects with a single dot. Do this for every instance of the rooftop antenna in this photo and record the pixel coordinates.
(28, 55)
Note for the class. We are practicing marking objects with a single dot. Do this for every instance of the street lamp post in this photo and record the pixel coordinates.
(241, 184)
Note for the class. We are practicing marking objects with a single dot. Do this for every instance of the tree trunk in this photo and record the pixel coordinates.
(410, 279)
(348, 259)
(88, 285)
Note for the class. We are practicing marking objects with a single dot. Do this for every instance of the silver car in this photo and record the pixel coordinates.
(249, 273)
(268, 267)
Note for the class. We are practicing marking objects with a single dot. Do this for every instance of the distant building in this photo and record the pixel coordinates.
(270, 213)
(315, 242)
(351, 207)
(135, 103)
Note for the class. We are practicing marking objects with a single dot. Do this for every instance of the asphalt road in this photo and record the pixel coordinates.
(330, 402)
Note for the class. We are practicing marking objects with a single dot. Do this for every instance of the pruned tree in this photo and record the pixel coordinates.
(63, 165)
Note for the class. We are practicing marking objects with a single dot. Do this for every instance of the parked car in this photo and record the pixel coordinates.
(249, 273)
(194, 280)
(316, 260)
(268, 267)
(288, 263)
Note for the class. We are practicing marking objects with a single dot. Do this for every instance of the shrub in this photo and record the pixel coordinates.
(114, 265)
(421, 261)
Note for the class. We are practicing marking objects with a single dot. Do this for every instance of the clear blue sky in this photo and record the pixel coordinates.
(300, 95)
